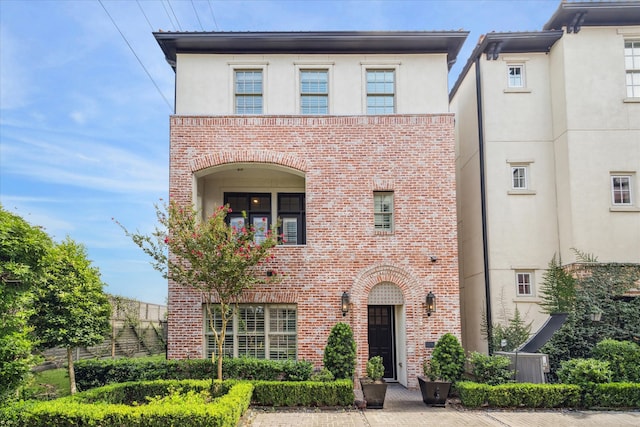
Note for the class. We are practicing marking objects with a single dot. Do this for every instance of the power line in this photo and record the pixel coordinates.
(212, 15)
(174, 15)
(145, 15)
(168, 16)
(136, 55)
(197, 15)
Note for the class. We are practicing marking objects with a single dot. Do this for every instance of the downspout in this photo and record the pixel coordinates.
(483, 207)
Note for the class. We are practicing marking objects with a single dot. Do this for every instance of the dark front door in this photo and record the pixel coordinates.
(381, 337)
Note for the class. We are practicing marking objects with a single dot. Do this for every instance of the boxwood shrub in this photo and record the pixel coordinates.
(613, 395)
(99, 372)
(126, 405)
(515, 395)
(304, 393)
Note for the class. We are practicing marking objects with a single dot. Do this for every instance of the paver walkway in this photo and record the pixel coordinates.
(404, 407)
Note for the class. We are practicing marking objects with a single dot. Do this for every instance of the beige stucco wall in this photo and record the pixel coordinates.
(421, 82)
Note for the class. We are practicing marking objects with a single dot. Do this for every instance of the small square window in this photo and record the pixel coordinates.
(519, 178)
(621, 190)
(516, 76)
(383, 211)
(524, 283)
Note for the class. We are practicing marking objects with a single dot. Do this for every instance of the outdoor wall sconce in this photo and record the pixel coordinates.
(345, 303)
(596, 316)
(431, 303)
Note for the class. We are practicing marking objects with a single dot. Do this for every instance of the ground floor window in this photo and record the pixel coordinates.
(267, 331)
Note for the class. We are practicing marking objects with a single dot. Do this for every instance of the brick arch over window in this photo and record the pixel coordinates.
(248, 156)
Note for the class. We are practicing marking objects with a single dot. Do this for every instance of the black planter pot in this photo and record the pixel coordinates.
(374, 393)
(434, 393)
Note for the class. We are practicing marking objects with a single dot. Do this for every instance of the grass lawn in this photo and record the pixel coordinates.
(50, 384)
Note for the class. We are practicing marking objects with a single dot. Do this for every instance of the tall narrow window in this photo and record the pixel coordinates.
(383, 211)
(519, 177)
(314, 92)
(291, 211)
(380, 91)
(621, 189)
(248, 92)
(516, 75)
(632, 65)
(523, 282)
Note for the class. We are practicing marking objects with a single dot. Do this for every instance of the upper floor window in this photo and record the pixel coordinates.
(524, 283)
(632, 65)
(380, 91)
(248, 91)
(314, 92)
(291, 211)
(383, 210)
(515, 75)
(621, 190)
(519, 178)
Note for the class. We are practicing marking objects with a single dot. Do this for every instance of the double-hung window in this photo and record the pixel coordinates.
(524, 284)
(314, 92)
(621, 190)
(383, 211)
(515, 75)
(248, 91)
(266, 331)
(519, 178)
(632, 66)
(381, 92)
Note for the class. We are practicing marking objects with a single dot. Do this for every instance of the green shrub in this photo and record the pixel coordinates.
(340, 352)
(96, 373)
(304, 393)
(623, 358)
(472, 395)
(322, 375)
(584, 372)
(615, 395)
(492, 370)
(447, 360)
(375, 368)
(516, 395)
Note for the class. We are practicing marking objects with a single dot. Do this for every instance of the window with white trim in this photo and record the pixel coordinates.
(248, 92)
(383, 210)
(519, 177)
(515, 75)
(524, 283)
(632, 67)
(381, 92)
(263, 331)
(314, 92)
(621, 190)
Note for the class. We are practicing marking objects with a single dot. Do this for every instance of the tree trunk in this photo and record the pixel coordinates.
(72, 374)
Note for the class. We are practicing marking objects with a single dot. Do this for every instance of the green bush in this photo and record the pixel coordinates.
(584, 372)
(623, 358)
(375, 368)
(516, 395)
(96, 373)
(615, 395)
(340, 352)
(492, 370)
(126, 404)
(447, 360)
(322, 375)
(304, 393)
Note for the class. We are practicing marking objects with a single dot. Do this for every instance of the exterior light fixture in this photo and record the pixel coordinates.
(431, 303)
(345, 303)
(596, 316)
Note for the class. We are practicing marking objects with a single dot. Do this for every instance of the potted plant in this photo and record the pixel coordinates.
(445, 368)
(373, 386)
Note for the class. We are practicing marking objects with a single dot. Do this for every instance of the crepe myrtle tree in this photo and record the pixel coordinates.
(211, 256)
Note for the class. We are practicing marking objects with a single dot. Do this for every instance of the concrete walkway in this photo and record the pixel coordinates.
(404, 407)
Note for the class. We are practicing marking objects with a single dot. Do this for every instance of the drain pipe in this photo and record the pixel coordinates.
(483, 206)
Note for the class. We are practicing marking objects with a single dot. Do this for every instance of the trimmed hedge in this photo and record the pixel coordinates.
(514, 395)
(613, 395)
(307, 393)
(99, 372)
(108, 406)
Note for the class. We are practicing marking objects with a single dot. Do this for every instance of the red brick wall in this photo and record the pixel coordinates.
(344, 160)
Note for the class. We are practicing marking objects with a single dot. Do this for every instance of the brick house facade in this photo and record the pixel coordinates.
(326, 175)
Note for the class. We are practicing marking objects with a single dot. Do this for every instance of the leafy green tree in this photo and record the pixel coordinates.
(23, 251)
(72, 309)
(211, 256)
(558, 288)
(340, 352)
(514, 333)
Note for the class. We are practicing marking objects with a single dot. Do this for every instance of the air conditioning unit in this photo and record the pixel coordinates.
(529, 367)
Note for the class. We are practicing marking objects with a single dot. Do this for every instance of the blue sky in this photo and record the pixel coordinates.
(84, 111)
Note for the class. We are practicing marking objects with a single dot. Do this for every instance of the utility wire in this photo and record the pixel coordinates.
(136, 55)
(145, 15)
(212, 15)
(168, 16)
(197, 15)
(174, 15)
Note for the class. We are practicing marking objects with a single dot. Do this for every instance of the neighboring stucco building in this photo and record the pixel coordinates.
(547, 156)
(347, 139)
